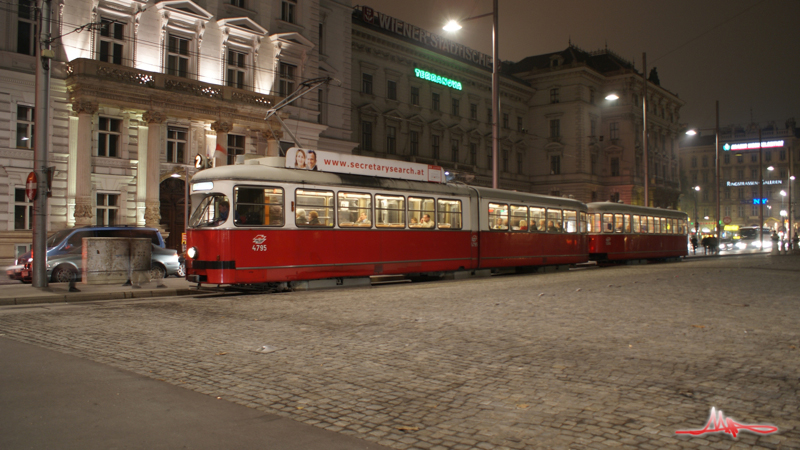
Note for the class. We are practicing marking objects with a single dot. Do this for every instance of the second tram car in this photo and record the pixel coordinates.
(264, 223)
(620, 232)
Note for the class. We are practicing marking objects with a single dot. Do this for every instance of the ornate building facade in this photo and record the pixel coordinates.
(139, 88)
(559, 136)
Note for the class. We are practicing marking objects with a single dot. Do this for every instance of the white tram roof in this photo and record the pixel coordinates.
(621, 208)
(271, 170)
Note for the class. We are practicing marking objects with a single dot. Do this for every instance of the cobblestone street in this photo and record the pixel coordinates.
(591, 358)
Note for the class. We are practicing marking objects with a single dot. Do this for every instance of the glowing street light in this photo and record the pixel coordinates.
(696, 222)
(611, 97)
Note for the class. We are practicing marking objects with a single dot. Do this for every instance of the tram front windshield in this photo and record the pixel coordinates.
(212, 211)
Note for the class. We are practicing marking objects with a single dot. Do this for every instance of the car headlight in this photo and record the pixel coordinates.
(741, 245)
(192, 253)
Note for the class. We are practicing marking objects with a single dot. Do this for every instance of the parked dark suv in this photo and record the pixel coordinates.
(64, 253)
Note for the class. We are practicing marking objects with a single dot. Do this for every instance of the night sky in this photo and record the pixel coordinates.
(744, 53)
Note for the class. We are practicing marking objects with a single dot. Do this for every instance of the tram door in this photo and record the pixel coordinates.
(173, 197)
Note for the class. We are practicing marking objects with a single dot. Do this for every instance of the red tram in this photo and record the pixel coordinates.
(620, 232)
(289, 225)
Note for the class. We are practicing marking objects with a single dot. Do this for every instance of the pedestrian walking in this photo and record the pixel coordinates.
(694, 244)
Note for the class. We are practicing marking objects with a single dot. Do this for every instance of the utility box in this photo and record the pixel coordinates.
(116, 260)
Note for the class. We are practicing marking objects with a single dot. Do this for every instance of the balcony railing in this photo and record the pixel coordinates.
(89, 68)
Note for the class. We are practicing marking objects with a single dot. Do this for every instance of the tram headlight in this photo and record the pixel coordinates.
(192, 253)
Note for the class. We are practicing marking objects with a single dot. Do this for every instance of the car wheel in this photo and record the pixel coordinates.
(63, 274)
(157, 272)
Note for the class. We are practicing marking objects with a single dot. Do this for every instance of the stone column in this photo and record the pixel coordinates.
(83, 164)
(273, 141)
(152, 205)
(222, 129)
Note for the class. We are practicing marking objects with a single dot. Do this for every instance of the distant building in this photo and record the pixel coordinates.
(559, 136)
(741, 159)
(138, 95)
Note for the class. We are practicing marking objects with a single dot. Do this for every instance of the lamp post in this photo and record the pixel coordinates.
(453, 26)
(696, 221)
(693, 132)
(791, 179)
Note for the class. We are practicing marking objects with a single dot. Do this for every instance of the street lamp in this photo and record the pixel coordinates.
(696, 222)
(693, 132)
(454, 26)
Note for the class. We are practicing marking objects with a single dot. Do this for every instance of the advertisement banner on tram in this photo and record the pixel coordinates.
(306, 159)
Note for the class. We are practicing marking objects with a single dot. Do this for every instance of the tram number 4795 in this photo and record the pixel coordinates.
(259, 247)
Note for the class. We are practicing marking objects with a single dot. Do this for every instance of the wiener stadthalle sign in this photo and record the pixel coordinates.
(322, 161)
(416, 35)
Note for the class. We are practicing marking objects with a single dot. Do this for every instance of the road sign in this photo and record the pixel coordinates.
(30, 186)
(726, 220)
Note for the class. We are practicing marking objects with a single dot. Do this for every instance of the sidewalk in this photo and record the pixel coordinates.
(16, 293)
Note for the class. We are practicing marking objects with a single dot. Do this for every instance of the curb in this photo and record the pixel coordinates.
(97, 296)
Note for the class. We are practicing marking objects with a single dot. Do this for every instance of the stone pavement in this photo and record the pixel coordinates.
(17, 293)
(593, 358)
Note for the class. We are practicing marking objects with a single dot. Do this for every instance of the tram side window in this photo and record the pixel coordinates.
(627, 223)
(498, 216)
(636, 228)
(317, 206)
(554, 221)
(538, 220)
(618, 223)
(651, 227)
(390, 211)
(583, 225)
(258, 206)
(212, 211)
(608, 223)
(355, 209)
(450, 214)
(658, 225)
(418, 208)
(570, 221)
(519, 218)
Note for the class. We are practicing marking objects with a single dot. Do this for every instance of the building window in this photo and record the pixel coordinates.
(107, 207)
(434, 101)
(520, 164)
(727, 194)
(235, 147)
(23, 210)
(705, 177)
(178, 56)
(591, 96)
(489, 117)
(454, 150)
(505, 160)
(26, 28)
(366, 135)
(414, 95)
(391, 140)
(176, 145)
(112, 41)
(321, 107)
(613, 130)
(754, 174)
(391, 90)
(366, 83)
(239, 3)
(555, 128)
(727, 211)
(236, 70)
(288, 13)
(740, 174)
(505, 120)
(108, 137)
(555, 164)
(473, 111)
(740, 158)
(726, 158)
(456, 109)
(783, 174)
(615, 197)
(286, 79)
(754, 157)
(413, 139)
(741, 193)
(593, 128)
(782, 155)
(614, 167)
(705, 161)
(25, 119)
(694, 162)
(473, 153)
(519, 123)
(435, 146)
(321, 33)
(554, 95)
(767, 156)
(755, 210)
(741, 211)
